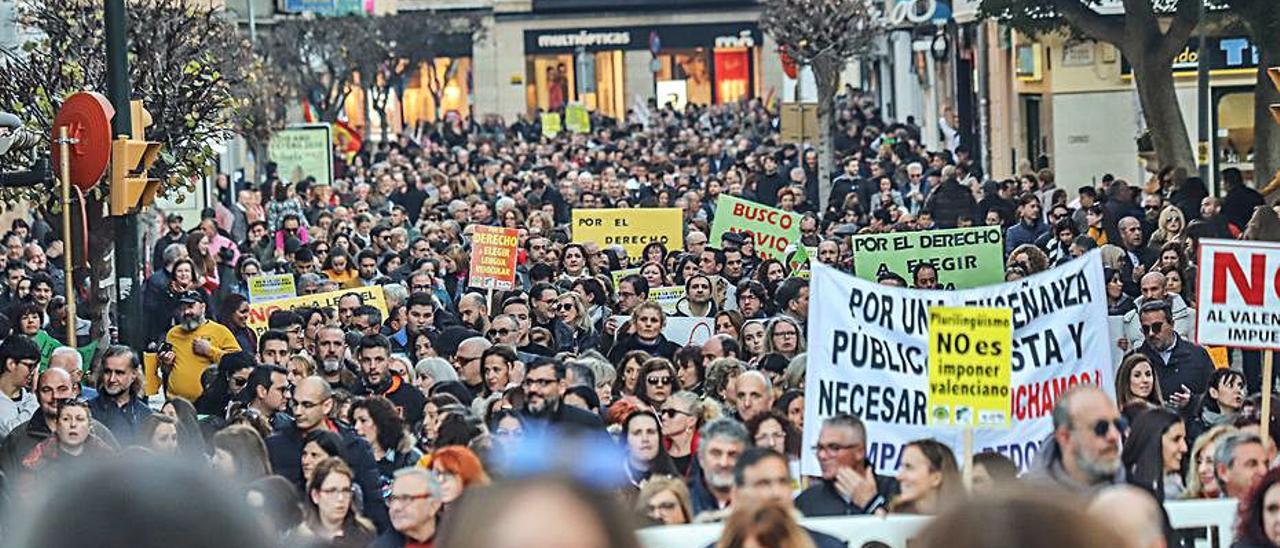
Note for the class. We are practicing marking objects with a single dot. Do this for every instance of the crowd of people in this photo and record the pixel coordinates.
(426, 420)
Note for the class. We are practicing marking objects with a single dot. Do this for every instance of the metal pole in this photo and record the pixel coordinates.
(64, 151)
(127, 259)
(1204, 149)
(253, 25)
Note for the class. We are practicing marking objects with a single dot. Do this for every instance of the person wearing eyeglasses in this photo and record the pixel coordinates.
(313, 404)
(1083, 454)
(1182, 367)
(849, 484)
(545, 383)
(415, 505)
(19, 358)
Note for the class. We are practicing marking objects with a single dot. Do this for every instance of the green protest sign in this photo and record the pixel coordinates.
(772, 229)
(964, 257)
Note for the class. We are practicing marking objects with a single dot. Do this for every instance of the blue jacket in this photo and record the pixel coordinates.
(1020, 233)
(285, 449)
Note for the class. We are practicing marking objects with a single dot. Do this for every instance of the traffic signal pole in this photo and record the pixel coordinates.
(128, 262)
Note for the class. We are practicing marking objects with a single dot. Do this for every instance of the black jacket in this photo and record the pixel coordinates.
(1238, 205)
(949, 202)
(568, 418)
(285, 449)
(660, 348)
(767, 187)
(405, 396)
(123, 421)
(1188, 365)
(822, 499)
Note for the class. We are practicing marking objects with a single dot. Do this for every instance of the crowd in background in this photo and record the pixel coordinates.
(437, 419)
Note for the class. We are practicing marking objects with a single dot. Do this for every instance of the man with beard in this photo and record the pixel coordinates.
(720, 443)
(374, 354)
(331, 350)
(544, 386)
(1083, 455)
(196, 343)
(471, 310)
(119, 405)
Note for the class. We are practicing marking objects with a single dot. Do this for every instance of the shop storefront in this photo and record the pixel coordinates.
(701, 64)
(433, 90)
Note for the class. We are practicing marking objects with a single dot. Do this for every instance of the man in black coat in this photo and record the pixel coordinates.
(950, 201)
(544, 385)
(770, 182)
(313, 400)
(1182, 367)
(849, 486)
(1240, 201)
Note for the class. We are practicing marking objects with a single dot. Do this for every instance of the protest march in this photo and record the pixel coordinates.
(655, 323)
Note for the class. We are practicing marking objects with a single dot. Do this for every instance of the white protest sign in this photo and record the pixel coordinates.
(1238, 297)
(868, 355)
(683, 331)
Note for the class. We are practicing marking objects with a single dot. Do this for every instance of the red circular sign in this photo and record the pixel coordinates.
(87, 117)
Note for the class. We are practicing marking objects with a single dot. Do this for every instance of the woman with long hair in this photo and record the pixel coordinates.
(664, 501)
(928, 477)
(1118, 304)
(1220, 404)
(159, 433)
(629, 372)
(1201, 478)
(1258, 523)
(340, 269)
(206, 264)
(784, 336)
(376, 420)
(690, 368)
(1136, 380)
(572, 310)
(240, 454)
(764, 523)
(1152, 454)
(573, 264)
(233, 312)
(1169, 228)
(753, 338)
(331, 516)
(646, 454)
(729, 322)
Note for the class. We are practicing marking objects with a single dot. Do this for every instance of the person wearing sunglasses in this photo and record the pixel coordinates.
(1182, 367)
(1084, 452)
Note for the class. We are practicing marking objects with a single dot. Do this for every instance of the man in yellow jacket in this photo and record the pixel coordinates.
(197, 343)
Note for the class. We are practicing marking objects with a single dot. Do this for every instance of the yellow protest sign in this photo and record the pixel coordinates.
(667, 297)
(259, 313)
(576, 119)
(970, 366)
(550, 124)
(630, 228)
(269, 287)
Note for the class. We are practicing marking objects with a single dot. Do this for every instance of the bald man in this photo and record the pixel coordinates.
(313, 405)
(52, 386)
(70, 360)
(1133, 513)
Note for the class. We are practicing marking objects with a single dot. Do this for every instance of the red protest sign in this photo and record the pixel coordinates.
(493, 257)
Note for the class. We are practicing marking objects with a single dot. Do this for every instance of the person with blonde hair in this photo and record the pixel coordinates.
(763, 522)
(1201, 481)
(664, 500)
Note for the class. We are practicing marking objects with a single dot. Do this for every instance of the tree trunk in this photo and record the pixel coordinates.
(1266, 146)
(1153, 77)
(826, 73)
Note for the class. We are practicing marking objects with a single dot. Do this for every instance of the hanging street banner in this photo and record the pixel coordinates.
(303, 151)
(773, 229)
(259, 313)
(630, 228)
(869, 355)
(493, 257)
(1238, 294)
(269, 287)
(964, 257)
(969, 366)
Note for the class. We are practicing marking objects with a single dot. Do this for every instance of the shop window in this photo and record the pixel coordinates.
(552, 82)
(690, 67)
(733, 74)
(1234, 136)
